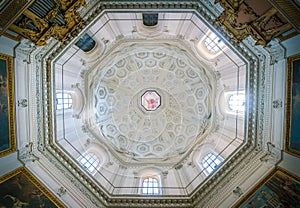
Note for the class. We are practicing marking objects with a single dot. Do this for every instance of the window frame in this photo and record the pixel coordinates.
(237, 100)
(213, 43)
(202, 48)
(155, 190)
(209, 161)
(96, 160)
(63, 103)
(231, 111)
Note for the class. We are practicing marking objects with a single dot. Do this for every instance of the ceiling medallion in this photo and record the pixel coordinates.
(150, 100)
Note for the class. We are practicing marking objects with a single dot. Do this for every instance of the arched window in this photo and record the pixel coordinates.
(63, 101)
(90, 162)
(150, 186)
(210, 162)
(213, 43)
(236, 102)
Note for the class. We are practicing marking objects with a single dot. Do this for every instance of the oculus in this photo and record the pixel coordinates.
(150, 100)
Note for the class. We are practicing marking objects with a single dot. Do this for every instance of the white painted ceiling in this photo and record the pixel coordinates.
(107, 85)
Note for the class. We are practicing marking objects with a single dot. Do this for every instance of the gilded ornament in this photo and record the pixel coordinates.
(40, 30)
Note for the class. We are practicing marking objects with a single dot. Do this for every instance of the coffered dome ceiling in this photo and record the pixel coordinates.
(151, 101)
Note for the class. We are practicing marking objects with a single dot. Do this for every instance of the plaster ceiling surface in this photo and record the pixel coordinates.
(151, 97)
(150, 101)
(182, 87)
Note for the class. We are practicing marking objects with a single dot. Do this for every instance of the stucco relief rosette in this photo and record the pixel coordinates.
(179, 100)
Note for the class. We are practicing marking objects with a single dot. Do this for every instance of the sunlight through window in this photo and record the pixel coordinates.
(213, 43)
(150, 186)
(211, 162)
(63, 101)
(237, 102)
(89, 162)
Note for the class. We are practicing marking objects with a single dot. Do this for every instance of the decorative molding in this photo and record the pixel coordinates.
(61, 191)
(23, 103)
(277, 103)
(256, 25)
(221, 183)
(276, 51)
(11, 12)
(7, 106)
(39, 30)
(289, 10)
(27, 154)
(239, 155)
(238, 191)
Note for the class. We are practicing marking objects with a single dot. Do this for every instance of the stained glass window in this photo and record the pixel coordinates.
(63, 101)
(150, 100)
(211, 162)
(150, 186)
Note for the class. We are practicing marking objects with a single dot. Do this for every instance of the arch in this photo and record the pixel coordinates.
(210, 45)
(150, 181)
(98, 156)
(235, 102)
(150, 186)
(207, 157)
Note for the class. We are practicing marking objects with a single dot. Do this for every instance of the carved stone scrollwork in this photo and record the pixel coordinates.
(271, 157)
(276, 51)
(84, 128)
(61, 191)
(27, 155)
(87, 143)
(277, 104)
(238, 191)
(23, 103)
(82, 74)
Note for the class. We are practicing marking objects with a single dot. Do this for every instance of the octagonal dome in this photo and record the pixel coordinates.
(182, 101)
(148, 102)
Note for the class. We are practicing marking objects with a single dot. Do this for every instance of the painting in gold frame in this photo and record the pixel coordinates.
(279, 189)
(7, 111)
(292, 117)
(21, 189)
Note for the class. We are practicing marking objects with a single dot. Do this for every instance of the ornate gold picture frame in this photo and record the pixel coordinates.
(7, 106)
(292, 115)
(279, 189)
(21, 189)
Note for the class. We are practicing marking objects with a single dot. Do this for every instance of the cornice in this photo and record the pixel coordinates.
(41, 96)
